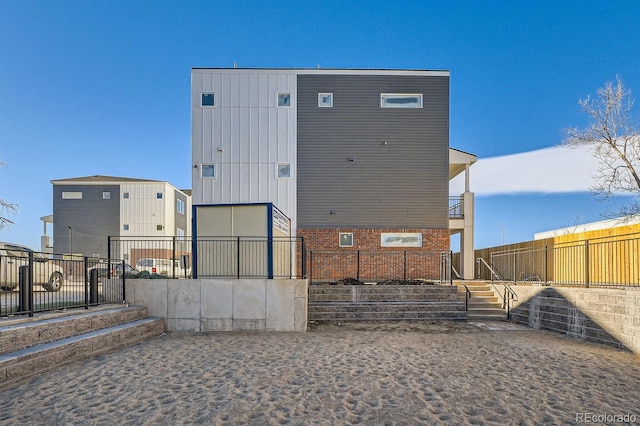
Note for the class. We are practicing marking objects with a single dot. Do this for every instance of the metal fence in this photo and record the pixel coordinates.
(224, 257)
(602, 262)
(376, 265)
(33, 282)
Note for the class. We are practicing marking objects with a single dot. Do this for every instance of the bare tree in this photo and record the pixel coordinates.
(6, 209)
(613, 137)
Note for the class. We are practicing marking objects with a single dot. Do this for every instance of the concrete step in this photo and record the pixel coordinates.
(69, 337)
(21, 332)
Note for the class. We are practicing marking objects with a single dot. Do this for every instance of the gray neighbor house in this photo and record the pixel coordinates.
(87, 210)
(356, 159)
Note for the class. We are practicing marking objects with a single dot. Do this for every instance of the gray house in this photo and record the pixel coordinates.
(87, 210)
(357, 159)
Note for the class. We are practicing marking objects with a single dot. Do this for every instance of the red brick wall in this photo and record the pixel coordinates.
(367, 260)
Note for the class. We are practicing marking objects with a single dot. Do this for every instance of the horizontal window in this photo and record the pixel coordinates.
(71, 195)
(400, 100)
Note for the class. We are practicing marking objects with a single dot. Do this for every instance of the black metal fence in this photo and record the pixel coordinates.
(224, 257)
(33, 282)
(602, 262)
(377, 265)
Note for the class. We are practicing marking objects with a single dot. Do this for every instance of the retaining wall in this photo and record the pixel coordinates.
(223, 304)
(609, 316)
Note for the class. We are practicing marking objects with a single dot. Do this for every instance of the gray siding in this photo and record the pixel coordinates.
(92, 219)
(403, 184)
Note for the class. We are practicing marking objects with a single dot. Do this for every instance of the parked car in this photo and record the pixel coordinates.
(165, 267)
(45, 272)
(115, 271)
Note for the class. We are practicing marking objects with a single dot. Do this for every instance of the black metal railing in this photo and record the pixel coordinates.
(33, 282)
(375, 265)
(601, 262)
(456, 207)
(205, 257)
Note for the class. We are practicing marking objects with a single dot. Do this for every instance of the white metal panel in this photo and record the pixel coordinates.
(253, 133)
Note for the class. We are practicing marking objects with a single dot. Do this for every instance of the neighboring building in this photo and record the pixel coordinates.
(87, 210)
(357, 159)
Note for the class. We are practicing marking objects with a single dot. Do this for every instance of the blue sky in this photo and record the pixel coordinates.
(103, 87)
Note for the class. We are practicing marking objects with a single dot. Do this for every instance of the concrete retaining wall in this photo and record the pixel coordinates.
(223, 304)
(609, 316)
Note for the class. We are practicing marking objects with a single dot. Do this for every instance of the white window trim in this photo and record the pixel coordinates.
(214, 100)
(278, 98)
(403, 95)
(340, 239)
(320, 95)
(180, 206)
(106, 195)
(278, 170)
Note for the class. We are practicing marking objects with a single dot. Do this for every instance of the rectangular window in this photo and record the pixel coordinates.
(208, 170)
(284, 99)
(208, 100)
(284, 170)
(400, 100)
(106, 195)
(125, 195)
(346, 239)
(125, 227)
(180, 206)
(325, 100)
(158, 195)
(74, 195)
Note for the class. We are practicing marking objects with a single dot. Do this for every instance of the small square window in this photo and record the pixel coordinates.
(159, 227)
(284, 170)
(125, 195)
(284, 99)
(208, 170)
(106, 195)
(125, 227)
(159, 195)
(346, 239)
(325, 100)
(208, 99)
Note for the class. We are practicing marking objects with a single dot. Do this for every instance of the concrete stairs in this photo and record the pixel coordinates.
(384, 303)
(484, 304)
(31, 346)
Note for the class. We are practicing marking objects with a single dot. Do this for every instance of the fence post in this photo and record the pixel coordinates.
(30, 283)
(358, 265)
(238, 258)
(109, 256)
(310, 266)
(546, 254)
(586, 263)
(405, 265)
(514, 267)
(85, 263)
(450, 267)
(304, 259)
(24, 301)
(173, 257)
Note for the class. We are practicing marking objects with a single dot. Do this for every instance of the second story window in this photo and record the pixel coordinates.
(208, 100)
(284, 99)
(159, 195)
(106, 195)
(400, 100)
(180, 206)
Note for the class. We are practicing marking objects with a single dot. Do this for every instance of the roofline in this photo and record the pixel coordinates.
(336, 71)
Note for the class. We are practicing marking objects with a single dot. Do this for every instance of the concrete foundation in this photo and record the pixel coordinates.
(203, 305)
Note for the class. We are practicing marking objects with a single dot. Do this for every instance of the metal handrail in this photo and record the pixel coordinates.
(480, 261)
(466, 298)
(512, 296)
